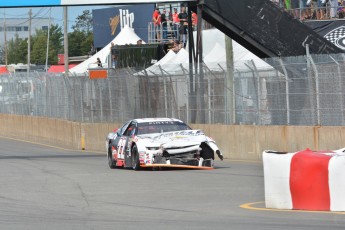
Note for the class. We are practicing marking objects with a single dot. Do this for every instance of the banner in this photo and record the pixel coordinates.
(48, 3)
(108, 22)
(333, 31)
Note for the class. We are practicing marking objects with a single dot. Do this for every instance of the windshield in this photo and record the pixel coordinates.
(161, 127)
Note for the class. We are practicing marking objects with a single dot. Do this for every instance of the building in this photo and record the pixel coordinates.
(20, 26)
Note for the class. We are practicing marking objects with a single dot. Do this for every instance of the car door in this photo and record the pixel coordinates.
(118, 143)
(122, 143)
(127, 140)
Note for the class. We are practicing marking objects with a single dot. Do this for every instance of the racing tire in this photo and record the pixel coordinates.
(111, 161)
(135, 158)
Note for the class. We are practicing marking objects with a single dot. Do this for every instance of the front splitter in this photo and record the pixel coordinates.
(176, 166)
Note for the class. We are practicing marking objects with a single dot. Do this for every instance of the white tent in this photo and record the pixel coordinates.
(126, 36)
(214, 51)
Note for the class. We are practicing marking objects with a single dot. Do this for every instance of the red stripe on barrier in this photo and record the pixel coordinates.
(309, 181)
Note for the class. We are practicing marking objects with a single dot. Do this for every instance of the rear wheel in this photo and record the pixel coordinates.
(135, 158)
(111, 161)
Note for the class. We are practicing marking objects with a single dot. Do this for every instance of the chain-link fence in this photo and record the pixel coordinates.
(289, 91)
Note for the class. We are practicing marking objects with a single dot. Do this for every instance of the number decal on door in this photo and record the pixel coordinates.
(121, 148)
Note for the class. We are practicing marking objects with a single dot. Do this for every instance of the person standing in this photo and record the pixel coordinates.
(156, 18)
(99, 63)
(334, 8)
(176, 22)
(194, 20)
(164, 22)
(183, 16)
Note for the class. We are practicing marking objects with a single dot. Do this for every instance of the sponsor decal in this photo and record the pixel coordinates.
(337, 37)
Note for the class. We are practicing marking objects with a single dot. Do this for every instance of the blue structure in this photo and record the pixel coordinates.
(107, 23)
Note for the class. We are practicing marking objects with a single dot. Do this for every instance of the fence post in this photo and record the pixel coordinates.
(317, 90)
(286, 92)
(110, 101)
(340, 90)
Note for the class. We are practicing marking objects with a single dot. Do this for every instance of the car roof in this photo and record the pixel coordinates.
(143, 120)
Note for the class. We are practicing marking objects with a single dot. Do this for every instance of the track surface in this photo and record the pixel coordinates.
(49, 188)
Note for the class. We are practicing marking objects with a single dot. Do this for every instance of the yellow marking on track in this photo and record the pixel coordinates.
(251, 206)
(50, 146)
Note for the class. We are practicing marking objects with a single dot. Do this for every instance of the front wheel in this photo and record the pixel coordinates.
(135, 158)
(111, 161)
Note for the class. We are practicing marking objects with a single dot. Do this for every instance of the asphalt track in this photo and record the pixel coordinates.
(50, 188)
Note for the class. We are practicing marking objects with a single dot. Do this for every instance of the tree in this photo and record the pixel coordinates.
(81, 38)
(83, 22)
(39, 45)
(17, 50)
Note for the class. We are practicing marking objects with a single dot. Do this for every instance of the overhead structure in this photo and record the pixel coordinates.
(38, 3)
(264, 28)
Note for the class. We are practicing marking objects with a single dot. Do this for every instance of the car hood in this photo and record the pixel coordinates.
(174, 139)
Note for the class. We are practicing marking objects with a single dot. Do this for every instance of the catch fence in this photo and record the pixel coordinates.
(289, 91)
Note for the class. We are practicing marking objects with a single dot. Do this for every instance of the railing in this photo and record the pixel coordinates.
(330, 10)
(162, 33)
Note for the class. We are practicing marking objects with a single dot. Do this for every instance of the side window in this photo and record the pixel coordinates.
(130, 129)
(123, 128)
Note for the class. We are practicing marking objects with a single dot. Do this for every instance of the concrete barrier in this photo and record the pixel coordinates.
(240, 142)
(305, 180)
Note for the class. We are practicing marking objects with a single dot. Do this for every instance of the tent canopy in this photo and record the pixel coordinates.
(126, 36)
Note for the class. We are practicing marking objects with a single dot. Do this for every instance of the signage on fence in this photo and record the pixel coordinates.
(333, 31)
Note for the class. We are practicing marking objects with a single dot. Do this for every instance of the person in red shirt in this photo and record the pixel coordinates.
(156, 18)
(176, 22)
(194, 20)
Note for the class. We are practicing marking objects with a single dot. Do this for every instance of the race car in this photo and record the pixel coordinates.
(160, 142)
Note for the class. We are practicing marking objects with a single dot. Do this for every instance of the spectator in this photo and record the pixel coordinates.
(324, 11)
(139, 42)
(194, 20)
(156, 18)
(334, 8)
(304, 10)
(295, 8)
(341, 9)
(183, 16)
(99, 63)
(176, 22)
(177, 46)
(164, 22)
(314, 9)
(113, 56)
(92, 50)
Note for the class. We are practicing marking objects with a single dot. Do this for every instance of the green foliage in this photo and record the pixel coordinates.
(39, 45)
(83, 22)
(18, 47)
(17, 50)
(81, 38)
(79, 43)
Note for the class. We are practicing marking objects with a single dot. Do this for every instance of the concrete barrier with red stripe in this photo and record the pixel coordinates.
(305, 180)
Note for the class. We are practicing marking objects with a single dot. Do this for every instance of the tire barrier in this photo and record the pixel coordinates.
(305, 180)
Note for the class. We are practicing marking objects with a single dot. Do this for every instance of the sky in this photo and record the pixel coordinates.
(56, 13)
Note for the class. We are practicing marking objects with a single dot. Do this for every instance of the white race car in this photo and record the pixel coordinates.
(160, 142)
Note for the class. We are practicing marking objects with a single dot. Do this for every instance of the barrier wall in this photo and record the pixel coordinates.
(237, 142)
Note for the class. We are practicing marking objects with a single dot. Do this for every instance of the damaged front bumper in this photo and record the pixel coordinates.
(175, 157)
